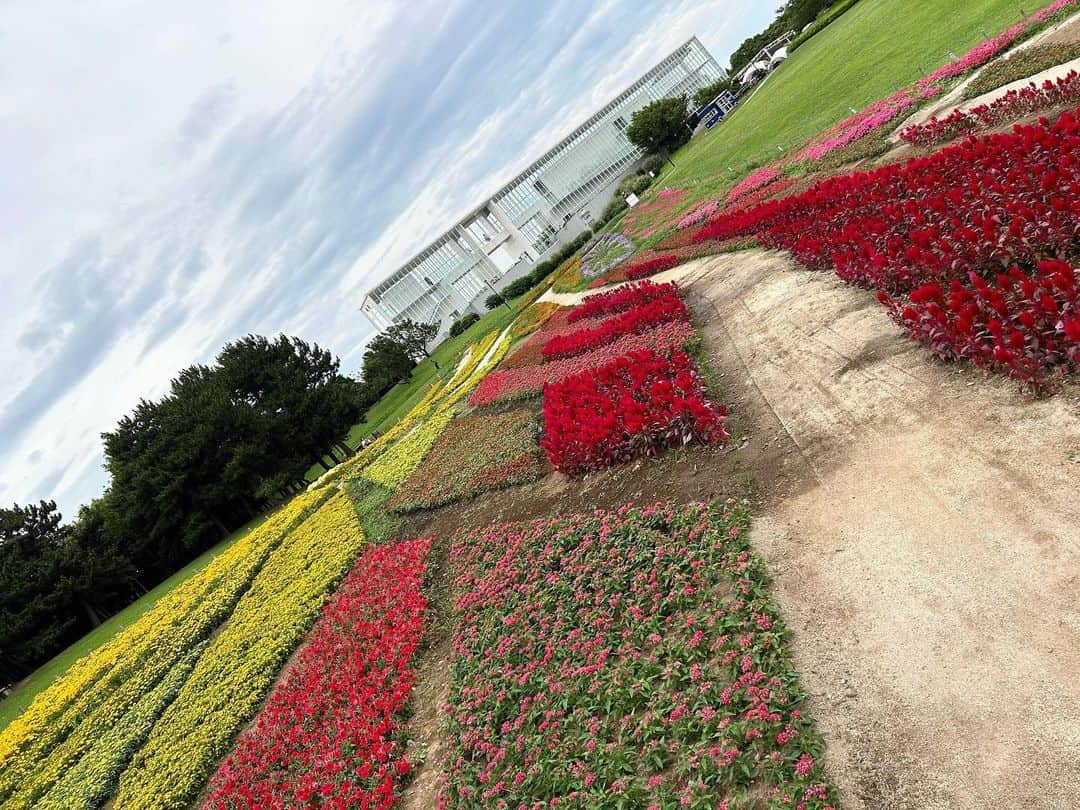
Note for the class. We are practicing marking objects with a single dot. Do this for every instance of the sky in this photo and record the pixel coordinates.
(174, 176)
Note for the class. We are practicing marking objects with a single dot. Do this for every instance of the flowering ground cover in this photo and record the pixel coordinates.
(981, 206)
(637, 404)
(631, 321)
(71, 744)
(523, 383)
(330, 732)
(631, 658)
(476, 453)
(1012, 105)
(649, 217)
(234, 673)
(753, 181)
(1021, 65)
(624, 298)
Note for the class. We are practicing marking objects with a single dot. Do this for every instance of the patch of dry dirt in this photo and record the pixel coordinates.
(921, 523)
(926, 549)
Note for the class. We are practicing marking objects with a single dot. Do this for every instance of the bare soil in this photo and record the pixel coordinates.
(921, 523)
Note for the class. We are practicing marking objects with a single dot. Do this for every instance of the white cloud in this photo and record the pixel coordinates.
(177, 176)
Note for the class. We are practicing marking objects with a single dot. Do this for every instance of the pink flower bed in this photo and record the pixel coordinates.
(754, 181)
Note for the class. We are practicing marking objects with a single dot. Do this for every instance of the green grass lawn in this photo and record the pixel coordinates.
(43, 677)
(872, 50)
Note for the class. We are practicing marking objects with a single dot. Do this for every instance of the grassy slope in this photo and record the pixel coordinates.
(28, 689)
(873, 49)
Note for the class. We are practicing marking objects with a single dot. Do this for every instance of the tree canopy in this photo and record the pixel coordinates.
(660, 127)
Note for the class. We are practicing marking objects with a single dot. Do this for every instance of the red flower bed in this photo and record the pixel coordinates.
(753, 181)
(632, 321)
(531, 350)
(631, 658)
(608, 303)
(650, 267)
(1024, 326)
(980, 206)
(329, 733)
(637, 404)
(520, 383)
(1014, 104)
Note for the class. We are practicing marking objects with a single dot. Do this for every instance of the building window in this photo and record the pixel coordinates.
(620, 122)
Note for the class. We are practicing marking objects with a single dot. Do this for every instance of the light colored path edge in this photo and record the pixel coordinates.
(927, 554)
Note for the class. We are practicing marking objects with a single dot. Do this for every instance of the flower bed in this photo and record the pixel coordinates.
(638, 404)
(1021, 65)
(632, 321)
(698, 214)
(648, 218)
(1008, 107)
(605, 253)
(981, 205)
(71, 744)
(631, 658)
(624, 298)
(233, 675)
(754, 181)
(330, 732)
(531, 351)
(1027, 327)
(477, 453)
(521, 383)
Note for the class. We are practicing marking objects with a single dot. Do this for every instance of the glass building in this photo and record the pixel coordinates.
(546, 205)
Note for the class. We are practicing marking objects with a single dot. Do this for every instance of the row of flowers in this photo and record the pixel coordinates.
(68, 748)
(233, 675)
(1025, 326)
(979, 206)
(619, 300)
(522, 383)
(476, 453)
(631, 321)
(397, 462)
(631, 658)
(1012, 105)
(331, 732)
(638, 404)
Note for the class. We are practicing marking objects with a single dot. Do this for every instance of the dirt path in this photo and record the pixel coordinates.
(926, 547)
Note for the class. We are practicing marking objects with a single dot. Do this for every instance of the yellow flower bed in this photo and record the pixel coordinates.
(238, 667)
(72, 716)
(394, 466)
(436, 397)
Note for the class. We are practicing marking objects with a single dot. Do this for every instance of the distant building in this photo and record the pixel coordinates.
(546, 205)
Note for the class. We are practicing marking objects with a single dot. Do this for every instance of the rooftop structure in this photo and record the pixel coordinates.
(546, 205)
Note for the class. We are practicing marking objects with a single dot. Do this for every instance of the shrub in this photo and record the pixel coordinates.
(639, 403)
(75, 739)
(494, 300)
(464, 322)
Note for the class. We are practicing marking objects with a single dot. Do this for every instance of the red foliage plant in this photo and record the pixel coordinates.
(330, 732)
(973, 209)
(630, 321)
(638, 403)
(608, 303)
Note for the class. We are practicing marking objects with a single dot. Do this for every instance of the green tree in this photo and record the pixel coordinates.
(660, 127)
(385, 363)
(414, 337)
(709, 92)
